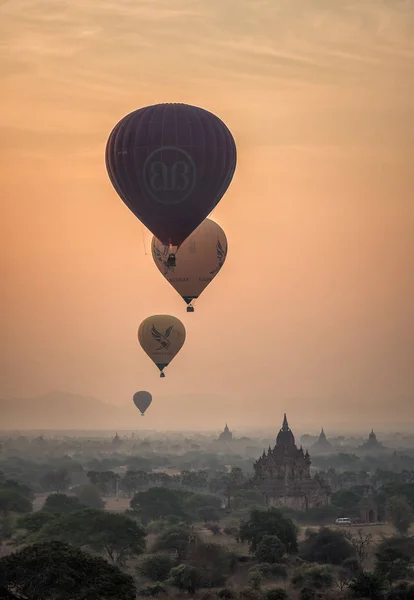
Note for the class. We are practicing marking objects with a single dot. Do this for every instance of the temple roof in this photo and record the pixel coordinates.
(285, 437)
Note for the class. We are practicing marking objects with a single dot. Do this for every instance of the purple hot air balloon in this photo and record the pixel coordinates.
(171, 164)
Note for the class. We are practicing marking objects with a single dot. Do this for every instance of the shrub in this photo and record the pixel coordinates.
(314, 576)
(326, 546)
(275, 594)
(156, 589)
(156, 567)
(270, 549)
(226, 594)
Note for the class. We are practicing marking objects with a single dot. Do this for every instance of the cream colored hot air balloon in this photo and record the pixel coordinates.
(161, 337)
(198, 260)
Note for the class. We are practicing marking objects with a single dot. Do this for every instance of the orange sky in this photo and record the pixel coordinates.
(313, 310)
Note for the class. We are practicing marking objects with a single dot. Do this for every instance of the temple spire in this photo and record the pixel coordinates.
(285, 426)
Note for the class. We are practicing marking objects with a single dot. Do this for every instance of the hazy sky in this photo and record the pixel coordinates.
(313, 310)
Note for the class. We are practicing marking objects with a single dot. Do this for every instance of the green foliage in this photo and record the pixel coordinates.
(404, 544)
(60, 504)
(156, 566)
(158, 503)
(89, 495)
(24, 490)
(270, 549)
(327, 546)
(271, 571)
(368, 585)
(174, 538)
(56, 481)
(227, 594)
(57, 571)
(402, 591)
(347, 500)
(400, 513)
(392, 565)
(400, 489)
(275, 593)
(186, 578)
(105, 481)
(307, 593)
(33, 522)
(248, 499)
(155, 589)
(112, 534)
(268, 522)
(351, 565)
(313, 576)
(213, 562)
(12, 501)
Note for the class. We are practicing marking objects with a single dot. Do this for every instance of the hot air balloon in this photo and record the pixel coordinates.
(171, 164)
(142, 400)
(161, 337)
(198, 260)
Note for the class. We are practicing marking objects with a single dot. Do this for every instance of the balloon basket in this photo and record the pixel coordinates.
(162, 374)
(190, 308)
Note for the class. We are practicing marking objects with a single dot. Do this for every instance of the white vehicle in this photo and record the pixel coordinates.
(343, 521)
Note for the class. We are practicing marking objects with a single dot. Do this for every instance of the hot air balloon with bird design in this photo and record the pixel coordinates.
(198, 261)
(161, 337)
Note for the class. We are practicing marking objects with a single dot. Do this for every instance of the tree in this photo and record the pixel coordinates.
(23, 489)
(57, 481)
(114, 535)
(156, 566)
(327, 546)
(313, 576)
(89, 496)
(105, 481)
(268, 522)
(11, 501)
(270, 549)
(213, 562)
(175, 538)
(185, 578)
(400, 513)
(133, 481)
(368, 585)
(60, 504)
(392, 565)
(57, 571)
(276, 593)
(158, 503)
(361, 543)
(33, 522)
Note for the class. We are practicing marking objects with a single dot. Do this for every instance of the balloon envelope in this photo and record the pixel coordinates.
(161, 337)
(171, 164)
(142, 400)
(198, 260)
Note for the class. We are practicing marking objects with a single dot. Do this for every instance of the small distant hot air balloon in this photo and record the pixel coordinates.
(171, 164)
(142, 400)
(161, 337)
(198, 260)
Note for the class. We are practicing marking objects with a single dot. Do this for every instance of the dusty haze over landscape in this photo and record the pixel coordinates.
(313, 311)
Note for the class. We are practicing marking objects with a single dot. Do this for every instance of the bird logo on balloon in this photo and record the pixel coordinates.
(162, 339)
(221, 257)
(162, 258)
